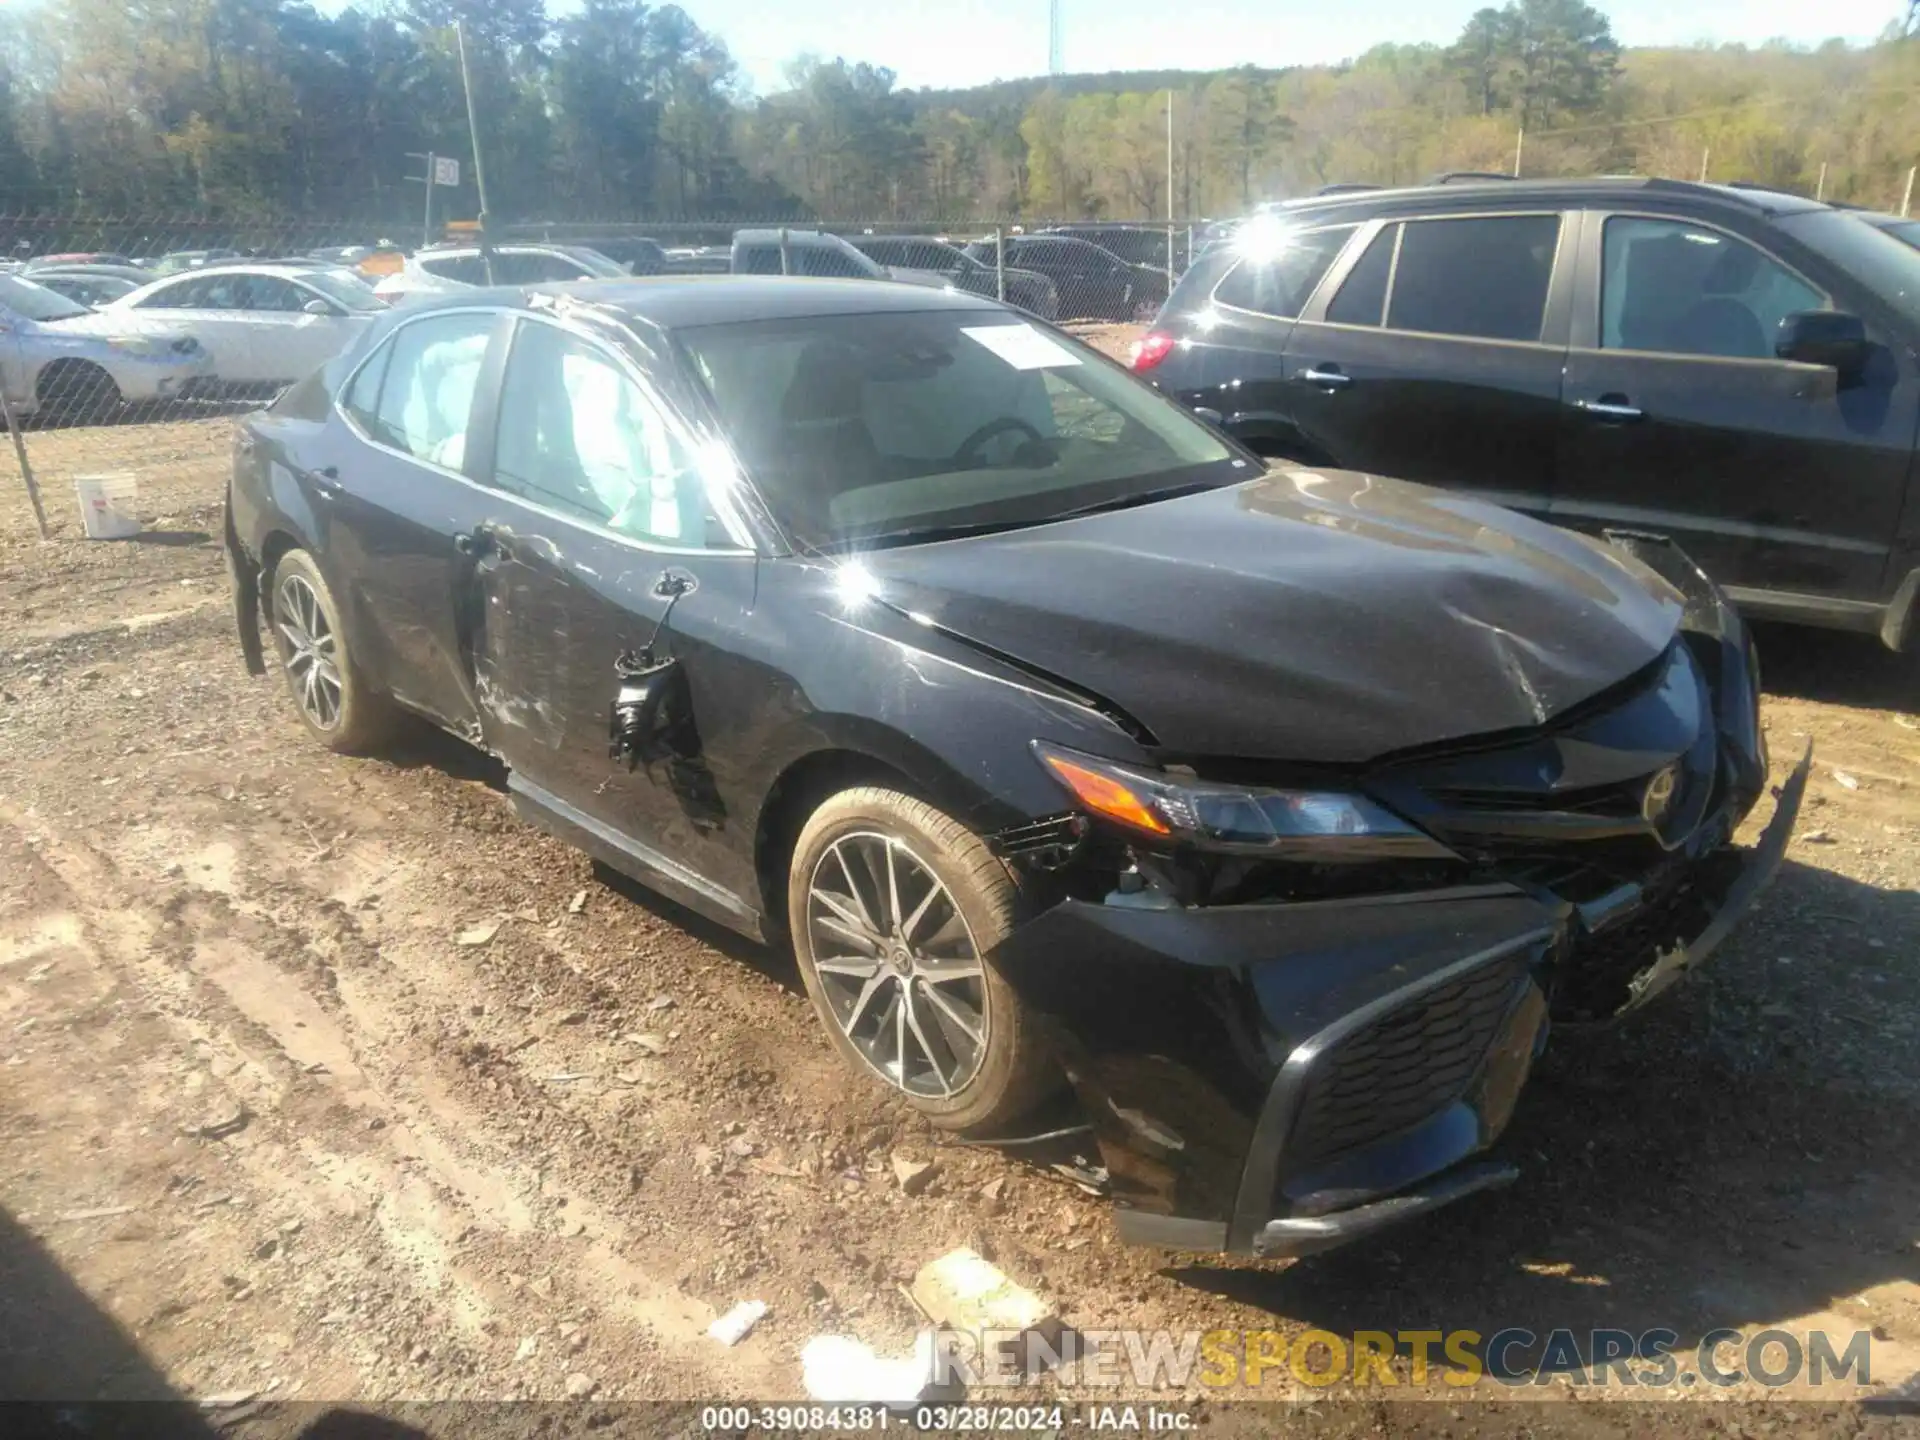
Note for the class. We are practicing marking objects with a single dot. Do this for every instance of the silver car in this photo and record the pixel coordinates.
(47, 366)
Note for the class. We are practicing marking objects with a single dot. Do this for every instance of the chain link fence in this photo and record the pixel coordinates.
(127, 345)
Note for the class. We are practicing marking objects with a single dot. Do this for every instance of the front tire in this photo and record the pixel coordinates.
(895, 909)
(335, 703)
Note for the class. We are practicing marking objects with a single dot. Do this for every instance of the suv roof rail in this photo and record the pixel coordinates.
(1344, 187)
(1464, 177)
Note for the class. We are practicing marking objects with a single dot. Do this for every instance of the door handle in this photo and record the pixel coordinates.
(326, 480)
(1327, 377)
(478, 542)
(1611, 407)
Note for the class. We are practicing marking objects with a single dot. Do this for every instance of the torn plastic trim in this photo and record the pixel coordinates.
(1762, 864)
(244, 576)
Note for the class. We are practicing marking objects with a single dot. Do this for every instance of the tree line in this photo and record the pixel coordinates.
(253, 111)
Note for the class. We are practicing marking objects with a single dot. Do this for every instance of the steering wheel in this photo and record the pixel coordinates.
(967, 453)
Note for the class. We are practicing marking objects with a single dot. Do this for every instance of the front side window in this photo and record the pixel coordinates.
(416, 394)
(759, 260)
(1483, 277)
(534, 267)
(886, 428)
(1279, 268)
(577, 435)
(1674, 287)
(465, 269)
(344, 291)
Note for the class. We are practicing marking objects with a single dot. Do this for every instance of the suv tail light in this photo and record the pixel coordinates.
(1149, 350)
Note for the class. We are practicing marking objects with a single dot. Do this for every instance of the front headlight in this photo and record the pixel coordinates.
(1237, 819)
(130, 344)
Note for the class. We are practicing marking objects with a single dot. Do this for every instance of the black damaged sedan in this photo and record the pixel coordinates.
(1270, 817)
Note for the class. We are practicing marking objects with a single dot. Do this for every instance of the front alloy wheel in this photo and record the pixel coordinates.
(895, 911)
(900, 969)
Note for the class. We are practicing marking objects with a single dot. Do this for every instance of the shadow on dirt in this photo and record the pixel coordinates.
(56, 1344)
(1836, 667)
(774, 961)
(420, 745)
(172, 539)
(1729, 1158)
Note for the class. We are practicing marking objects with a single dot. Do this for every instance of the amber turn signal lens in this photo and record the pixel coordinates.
(1105, 795)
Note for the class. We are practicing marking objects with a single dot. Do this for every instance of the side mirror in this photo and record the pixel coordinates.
(316, 307)
(1210, 415)
(1824, 337)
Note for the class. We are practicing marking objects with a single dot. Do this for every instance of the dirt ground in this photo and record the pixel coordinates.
(276, 1124)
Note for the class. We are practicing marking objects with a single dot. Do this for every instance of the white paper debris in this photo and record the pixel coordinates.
(734, 1326)
(839, 1370)
(1022, 346)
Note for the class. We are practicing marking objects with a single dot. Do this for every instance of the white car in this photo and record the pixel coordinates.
(436, 272)
(265, 325)
(54, 357)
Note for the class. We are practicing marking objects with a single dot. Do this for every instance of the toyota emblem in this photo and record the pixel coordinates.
(1659, 797)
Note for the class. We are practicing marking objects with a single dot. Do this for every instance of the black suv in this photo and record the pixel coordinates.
(1734, 368)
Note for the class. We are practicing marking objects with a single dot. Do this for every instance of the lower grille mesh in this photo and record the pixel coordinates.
(1404, 1066)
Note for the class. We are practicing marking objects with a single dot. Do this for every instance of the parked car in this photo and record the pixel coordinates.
(1268, 816)
(1138, 244)
(70, 258)
(1092, 283)
(174, 261)
(55, 358)
(265, 325)
(84, 287)
(459, 267)
(1903, 228)
(697, 260)
(1028, 290)
(1735, 369)
(636, 254)
(786, 250)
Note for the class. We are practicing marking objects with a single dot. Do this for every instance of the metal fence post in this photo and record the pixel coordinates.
(1000, 262)
(1906, 196)
(20, 454)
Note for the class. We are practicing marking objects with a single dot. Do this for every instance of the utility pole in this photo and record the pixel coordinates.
(479, 167)
(1519, 148)
(431, 159)
(1169, 190)
(1706, 152)
(1820, 191)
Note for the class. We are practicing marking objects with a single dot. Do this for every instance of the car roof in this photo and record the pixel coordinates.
(680, 301)
(1479, 194)
(249, 267)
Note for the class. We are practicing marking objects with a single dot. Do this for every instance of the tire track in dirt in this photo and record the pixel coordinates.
(456, 1224)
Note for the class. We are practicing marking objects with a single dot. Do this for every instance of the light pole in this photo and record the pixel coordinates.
(479, 167)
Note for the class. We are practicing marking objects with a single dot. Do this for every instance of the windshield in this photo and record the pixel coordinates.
(1889, 267)
(36, 302)
(890, 427)
(345, 291)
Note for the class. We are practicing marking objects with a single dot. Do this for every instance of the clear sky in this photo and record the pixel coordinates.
(967, 42)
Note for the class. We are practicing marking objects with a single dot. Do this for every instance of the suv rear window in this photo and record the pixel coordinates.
(1278, 281)
(1480, 277)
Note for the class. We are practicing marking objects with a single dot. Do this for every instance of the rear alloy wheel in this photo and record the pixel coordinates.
(895, 911)
(334, 702)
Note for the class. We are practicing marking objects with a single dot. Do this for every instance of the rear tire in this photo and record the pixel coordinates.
(335, 702)
(78, 392)
(895, 909)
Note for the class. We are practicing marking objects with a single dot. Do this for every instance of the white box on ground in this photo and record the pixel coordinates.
(106, 505)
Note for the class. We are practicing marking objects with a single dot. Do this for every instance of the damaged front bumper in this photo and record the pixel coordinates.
(1279, 1079)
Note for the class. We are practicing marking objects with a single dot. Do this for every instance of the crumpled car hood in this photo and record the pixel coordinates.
(1314, 616)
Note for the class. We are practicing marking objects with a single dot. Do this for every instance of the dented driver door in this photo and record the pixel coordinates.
(591, 590)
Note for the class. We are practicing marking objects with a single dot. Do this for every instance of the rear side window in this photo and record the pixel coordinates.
(1678, 288)
(416, 394)
(819, 260)
(466, 269)
(759, 260)
(534, 267)
(1362, 299)
(1484, 278)
(1278, 284)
